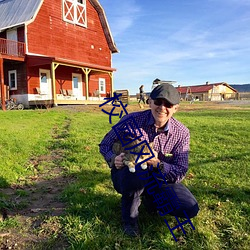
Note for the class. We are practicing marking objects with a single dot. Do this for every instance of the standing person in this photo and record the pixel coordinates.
(171, 148)
(142, 98)
(156, 83)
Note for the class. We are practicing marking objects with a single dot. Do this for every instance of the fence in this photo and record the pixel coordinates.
(217, 96)
(244, 96)
(125, 95)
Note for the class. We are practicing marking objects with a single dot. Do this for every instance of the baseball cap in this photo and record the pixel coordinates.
(166, 91)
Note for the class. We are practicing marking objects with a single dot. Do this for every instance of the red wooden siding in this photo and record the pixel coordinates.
(21, 77)
(3, 34)
(20, 34)
(33, 78)
(64, 79)
(51, 36)
(94, 83)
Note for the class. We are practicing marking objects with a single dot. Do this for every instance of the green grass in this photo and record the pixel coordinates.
(218, 177)
(24, 135)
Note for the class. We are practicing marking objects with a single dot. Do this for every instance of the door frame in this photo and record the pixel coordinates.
(47, 93)
(80, 90)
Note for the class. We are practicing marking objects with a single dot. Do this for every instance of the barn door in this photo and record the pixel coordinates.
(74, 11)
(45, 83)
(77, 85)
(12, 48)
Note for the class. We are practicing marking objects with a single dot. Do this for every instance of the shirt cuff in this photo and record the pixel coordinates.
(111, 161)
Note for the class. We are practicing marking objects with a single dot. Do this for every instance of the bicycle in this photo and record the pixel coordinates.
(12, 104)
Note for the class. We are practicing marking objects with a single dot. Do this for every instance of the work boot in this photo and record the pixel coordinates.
(131, 230)
(151, 209)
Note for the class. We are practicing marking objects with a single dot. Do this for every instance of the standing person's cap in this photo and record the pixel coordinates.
(156, 81)
(166, 91)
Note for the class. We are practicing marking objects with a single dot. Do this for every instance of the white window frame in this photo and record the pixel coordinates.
(78, 16)
(9, 75)
(102, 82)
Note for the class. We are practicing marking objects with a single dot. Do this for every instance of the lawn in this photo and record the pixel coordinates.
(218, 176)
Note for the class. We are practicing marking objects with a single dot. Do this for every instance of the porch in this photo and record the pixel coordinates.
(50, 103)
(11, 49)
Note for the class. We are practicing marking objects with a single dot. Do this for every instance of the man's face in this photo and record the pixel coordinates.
(161, 110)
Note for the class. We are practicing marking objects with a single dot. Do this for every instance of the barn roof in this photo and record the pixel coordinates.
(201, 88)
(105, 25)
(18, 12)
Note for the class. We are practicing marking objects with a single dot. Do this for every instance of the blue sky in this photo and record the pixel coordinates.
(188, 41)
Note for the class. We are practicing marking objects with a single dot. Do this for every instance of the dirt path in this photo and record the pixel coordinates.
(34, 203)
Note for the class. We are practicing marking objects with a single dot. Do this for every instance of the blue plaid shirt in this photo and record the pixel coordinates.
(172, 144)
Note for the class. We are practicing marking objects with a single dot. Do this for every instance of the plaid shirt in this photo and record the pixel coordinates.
(172, 144)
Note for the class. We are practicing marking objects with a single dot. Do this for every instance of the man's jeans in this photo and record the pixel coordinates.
(132, 187)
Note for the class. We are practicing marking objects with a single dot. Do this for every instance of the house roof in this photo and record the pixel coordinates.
(201, 88)
(17, 12)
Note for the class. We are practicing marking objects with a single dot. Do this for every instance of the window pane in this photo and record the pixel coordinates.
(12, 80)
(44, 77)
(75, 82)
(102, 87)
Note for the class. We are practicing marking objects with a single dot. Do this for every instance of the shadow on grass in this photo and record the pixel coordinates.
(94, 219)
(3, 182)
(220, 193)
(227, 210)
(33, 207)
(231, 157)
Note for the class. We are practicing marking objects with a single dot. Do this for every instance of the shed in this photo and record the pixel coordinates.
(208, 92)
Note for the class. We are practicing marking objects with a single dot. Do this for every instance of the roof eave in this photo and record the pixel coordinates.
(12, 26)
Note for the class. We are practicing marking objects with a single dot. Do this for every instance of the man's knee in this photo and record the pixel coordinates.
(192, 211)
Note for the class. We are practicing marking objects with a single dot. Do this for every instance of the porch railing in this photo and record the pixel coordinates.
(12, 48)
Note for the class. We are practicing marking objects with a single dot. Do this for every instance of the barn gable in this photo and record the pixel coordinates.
(19, 12)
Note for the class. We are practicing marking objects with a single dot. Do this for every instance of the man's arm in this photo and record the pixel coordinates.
(177, 167)
(105, 147)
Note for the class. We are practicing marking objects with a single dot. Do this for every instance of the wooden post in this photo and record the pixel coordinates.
(53, 79)
(86, 72)
(112, 84)
(2, 84)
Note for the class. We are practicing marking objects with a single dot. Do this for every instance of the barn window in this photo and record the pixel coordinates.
(74, 11)
(102, 86)
(12, 80)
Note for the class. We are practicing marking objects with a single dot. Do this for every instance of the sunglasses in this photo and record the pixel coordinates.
(159, 102)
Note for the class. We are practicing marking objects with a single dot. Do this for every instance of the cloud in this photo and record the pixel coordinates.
(190, 43)
(121, 15)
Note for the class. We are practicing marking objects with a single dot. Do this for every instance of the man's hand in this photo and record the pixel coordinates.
(154, 161)
(119, 161)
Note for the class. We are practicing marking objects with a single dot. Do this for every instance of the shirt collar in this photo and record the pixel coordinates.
(151, 122)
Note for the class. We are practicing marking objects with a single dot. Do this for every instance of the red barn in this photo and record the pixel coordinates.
(55, 51)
